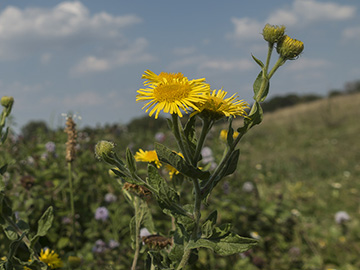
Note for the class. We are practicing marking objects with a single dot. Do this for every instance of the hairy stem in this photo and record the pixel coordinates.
(137, 232)
(179, 140)
(72, 206)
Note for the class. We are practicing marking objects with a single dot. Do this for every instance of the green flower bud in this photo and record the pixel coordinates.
(7, 102)
(273, 33)
(104, 150)
(289, 48)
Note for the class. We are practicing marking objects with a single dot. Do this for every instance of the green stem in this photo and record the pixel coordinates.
(184, 259)
(137, 232)
(278, 64)
(220, 167)
(179, 140)
(205, 129)
(72, 205)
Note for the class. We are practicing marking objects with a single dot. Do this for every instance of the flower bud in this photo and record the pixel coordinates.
(7, 102)
(289, 48)
(104, 150)
(273, 33)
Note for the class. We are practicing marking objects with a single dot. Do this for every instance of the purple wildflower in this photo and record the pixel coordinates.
(101, 213)
(50, 147)
(109, 197)
(113, 244)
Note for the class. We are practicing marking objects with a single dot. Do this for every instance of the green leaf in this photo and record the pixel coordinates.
(258, 61)
(166, 196)
(228, 245)
(208, 227)
(170, 157)
(3, 169)
(190, 133)
(258, 95)
(44, 224)
(230, 134)
(232, 163)
(254, 118)
(14, 246)
(130, 161)
(4, 136)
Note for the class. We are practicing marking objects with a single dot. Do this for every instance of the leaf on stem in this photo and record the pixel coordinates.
(260, 90)
(170, 157)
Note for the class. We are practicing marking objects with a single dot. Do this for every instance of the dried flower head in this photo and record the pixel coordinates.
(137, 189)
(156, 241)
(71, 141)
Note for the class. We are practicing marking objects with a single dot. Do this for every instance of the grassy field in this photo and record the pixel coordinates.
(296, 171)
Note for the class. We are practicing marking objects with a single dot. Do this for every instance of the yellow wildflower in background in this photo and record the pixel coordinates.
(171, 170)
(224, 133)
(147, 156)
(217, 106)
(50, 258)
(171, 93)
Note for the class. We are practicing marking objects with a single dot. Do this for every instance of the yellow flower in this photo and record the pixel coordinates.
(171, 169)
(289, 48)
(147, 156)
(50, 258)
(170, 92)
(217, 106)
(224, 133)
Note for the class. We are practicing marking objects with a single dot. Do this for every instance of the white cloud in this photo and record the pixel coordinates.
(300, 13)
(184, 51)
(227, 65)
(307, 64)
(69, 23)
(245, 29)
(352, 33)
(84, 99)
(133, 53)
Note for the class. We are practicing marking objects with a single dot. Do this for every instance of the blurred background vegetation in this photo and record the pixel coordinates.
(297, 171)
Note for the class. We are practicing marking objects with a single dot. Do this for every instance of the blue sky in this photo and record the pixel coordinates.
(87, 57)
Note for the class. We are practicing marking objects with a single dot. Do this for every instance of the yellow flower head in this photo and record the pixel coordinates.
(171, 170)
(289, 48)
(224, 133)
(147, 156)
(217, 106)
(171, 93)
(50, 258)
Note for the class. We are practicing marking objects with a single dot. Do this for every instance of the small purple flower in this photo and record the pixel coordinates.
(109, 197)
(66, 220)
(101, 213)
(50, 147)
(99, 247)
(341, 217)
(113, 244)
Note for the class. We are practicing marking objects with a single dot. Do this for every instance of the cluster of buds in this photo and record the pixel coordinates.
(287, 47)
(71, 142)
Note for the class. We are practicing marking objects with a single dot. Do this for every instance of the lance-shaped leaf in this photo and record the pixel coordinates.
(229, 244)
(254, 118)
(231, 165)
(261, 64)
(130, 161)
(170, 157)
(44, 224)
(261, 87)
(166, 196)
(208, 227)
(190, 134)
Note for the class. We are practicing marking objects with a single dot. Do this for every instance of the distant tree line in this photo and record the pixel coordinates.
(279, 102)
(146, 123)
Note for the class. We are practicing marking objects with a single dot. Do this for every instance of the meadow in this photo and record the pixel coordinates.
(295, 190)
